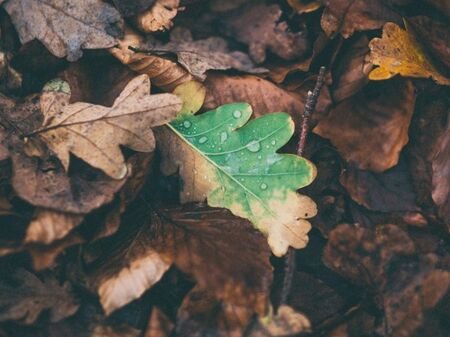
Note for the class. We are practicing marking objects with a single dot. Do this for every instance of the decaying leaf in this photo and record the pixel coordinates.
(370, 128)
(259, 26)
(31, 297)
(65, 27)
(158, 17)
(386, 259)
(349, 16)
(163, 72)
(48, 226)
(236, 166)
(199, 56)
(399, 52)
(202, 242)
(94, 133)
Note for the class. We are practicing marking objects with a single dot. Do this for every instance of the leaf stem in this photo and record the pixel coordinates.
(310, 106)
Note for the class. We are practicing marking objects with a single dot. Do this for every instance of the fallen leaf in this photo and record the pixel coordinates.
(48, 226)
(158, 17)
(127, 8)
(94, 133)
(261, 94)
(31, 296)
(390, 191)
(370, 128)
(351, 73)
(163, 72)
(408, 284)
(259, 26)
(192, 94)
(240, 169)
(200, 241)
(434, 35)
(42, 181)
(199, 56)
(349, 16)
(399, 52)
(65, 27)
(304, 6)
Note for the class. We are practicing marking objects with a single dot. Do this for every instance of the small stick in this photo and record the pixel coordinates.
(310, 105)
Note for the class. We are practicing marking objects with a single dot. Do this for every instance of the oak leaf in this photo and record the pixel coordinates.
(236, 166)
(31, 297)
(65, 27)
(399, 52)
(94, 133)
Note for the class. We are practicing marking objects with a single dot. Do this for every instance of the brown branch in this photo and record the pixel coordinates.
(310, 105)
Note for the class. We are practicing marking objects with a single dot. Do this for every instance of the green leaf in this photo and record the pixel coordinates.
(239, 169)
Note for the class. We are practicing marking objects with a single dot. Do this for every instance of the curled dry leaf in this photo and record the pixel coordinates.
(386, 259)
(163, 72)
(349, 16)
(239, 169)
(259, 26)
(158, 17)
(371, 128)
(202, 242)
(209, 54)
(31, 296)
(48, 225)
(399, 52)
(65, 27)
(94, 133)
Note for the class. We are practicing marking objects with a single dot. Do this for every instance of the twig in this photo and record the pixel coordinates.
(310, 105)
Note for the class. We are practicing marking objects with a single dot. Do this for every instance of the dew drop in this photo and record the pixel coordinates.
(203, 140)
(273, 142)
(187, 124)
(237, 114)
(223, 136)
(263, 186)
(253, 146)
(259, 157)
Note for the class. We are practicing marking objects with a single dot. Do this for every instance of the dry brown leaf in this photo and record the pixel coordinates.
(259, 26)
(48, 226)
(351, 72)
(399, 52)
(94, 133)
(42, 181)
(387, 260)
(163, 72)
(279, 71)
(435, 35)
(158, 17)
(65, 27)
(199, 56)
(31, 296)
(203, 242)
(371, 128)
(349, 16)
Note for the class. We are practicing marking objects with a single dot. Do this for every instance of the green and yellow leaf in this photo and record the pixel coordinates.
(234, 164)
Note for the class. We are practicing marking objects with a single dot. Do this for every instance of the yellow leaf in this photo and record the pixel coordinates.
(95, 133)
(399, 52)
(192, 94)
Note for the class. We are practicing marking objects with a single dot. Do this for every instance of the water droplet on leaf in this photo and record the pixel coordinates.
(253, 146)
(203, 140)
(187, 124)
(263, 186)
(223, 136)
(237, 114)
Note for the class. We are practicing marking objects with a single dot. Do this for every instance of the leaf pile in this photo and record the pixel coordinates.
(150, 183)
